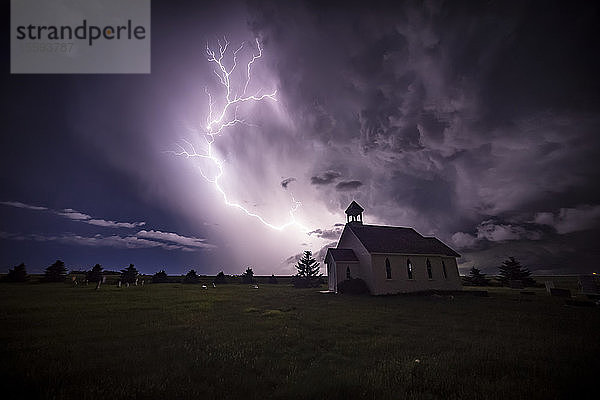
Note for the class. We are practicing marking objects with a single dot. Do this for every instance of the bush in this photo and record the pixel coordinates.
(248, 276)
(220, 278)
(191, 277)
(129, 274)
(476, 278)
(95, 274)
(160, 277)
(56, 272)
(511, 270)
(353, 286)
(18, 274)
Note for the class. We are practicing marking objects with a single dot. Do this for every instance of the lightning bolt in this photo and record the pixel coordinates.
(218, 119)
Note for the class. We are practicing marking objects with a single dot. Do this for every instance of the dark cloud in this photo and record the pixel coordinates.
(329, 234)
(458, 119)
(286, 182)
(325, 178)
(348, 185)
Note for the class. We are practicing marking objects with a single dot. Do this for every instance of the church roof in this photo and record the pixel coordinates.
(391, 239)
(341, 254)
(354, 209)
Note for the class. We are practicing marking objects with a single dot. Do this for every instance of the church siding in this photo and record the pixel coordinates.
(399, 283)
(362, 270)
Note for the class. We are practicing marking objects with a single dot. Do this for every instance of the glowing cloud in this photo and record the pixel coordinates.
(219, 119)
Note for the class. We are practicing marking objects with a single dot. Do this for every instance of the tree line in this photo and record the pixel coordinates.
(307, 276)
(510, 273)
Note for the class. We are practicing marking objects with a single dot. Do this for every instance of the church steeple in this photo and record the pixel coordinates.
(354, 213)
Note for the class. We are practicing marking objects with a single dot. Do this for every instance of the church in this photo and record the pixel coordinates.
(390, 259)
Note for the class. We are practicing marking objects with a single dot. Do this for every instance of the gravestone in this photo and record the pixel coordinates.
(119, 284)
(549, 285)
(587, 284)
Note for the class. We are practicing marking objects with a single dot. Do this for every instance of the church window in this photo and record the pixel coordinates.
(409, 269)
(348, 275)
(388, 269)
(429, 274)
(444, 270)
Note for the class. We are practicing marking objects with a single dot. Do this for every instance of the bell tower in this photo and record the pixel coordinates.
(354, 213)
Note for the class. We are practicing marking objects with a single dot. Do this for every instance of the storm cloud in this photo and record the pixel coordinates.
(348, 185)
(455, 119)
(325, 178)
(286, 182)
(476, 123)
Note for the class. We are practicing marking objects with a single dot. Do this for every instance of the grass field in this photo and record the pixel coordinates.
(179, 341)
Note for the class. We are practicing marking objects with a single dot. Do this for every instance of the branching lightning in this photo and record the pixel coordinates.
(218, 119)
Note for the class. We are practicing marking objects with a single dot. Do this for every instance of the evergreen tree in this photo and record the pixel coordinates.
(511, 270)
(95, 274)
(476, 278)
(129, 274)
(160, 277)
(191, 277)
(248, 276)
(308, 272)
(220, 278)
(272, 279)
(56, 272)
(17, 274)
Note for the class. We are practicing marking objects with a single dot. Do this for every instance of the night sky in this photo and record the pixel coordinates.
(476, 122)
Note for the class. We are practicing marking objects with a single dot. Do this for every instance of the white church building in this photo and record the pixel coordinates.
(390, 259)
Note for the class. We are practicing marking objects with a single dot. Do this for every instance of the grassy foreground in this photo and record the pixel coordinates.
(180, 341)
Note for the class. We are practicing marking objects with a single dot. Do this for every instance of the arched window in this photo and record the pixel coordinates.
(429, 274)
(409, 269)
(444, 270)
(388, 269)
(348, 275)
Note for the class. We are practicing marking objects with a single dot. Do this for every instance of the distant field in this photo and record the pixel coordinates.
(182, 341)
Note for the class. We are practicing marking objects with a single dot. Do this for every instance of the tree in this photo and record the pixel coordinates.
(248, 276)
(272, 279)
(56, 272)
(511, 270)
(160, 277)
(220, 278)
(129, 274)
(191, 277)
(476, 278)
(308, 272)
(95, 274)
(17, 274)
